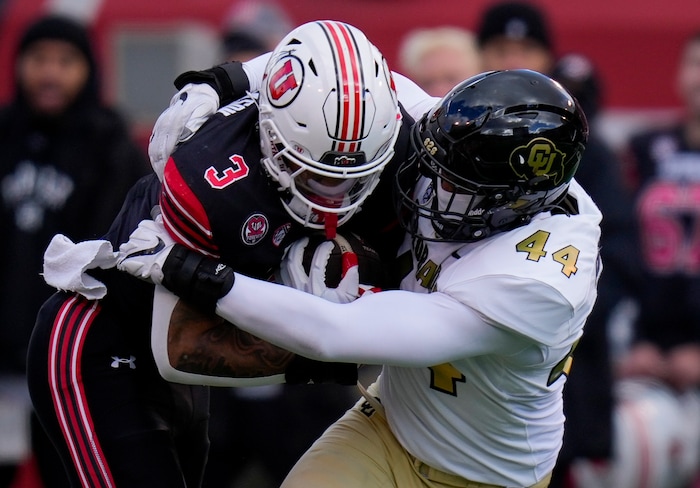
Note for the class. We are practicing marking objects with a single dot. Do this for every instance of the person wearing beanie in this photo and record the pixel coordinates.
(517, 35)
(514, 35)
(47, 44)
(577, 73)
(66, 162)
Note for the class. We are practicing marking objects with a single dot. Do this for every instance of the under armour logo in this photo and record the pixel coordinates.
(117, 361)
(219, 268)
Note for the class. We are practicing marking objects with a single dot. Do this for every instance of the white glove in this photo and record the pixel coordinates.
(189, 109)
(292, 273)
(146, 250)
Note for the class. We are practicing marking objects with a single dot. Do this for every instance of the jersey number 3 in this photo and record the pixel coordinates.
(220, 180)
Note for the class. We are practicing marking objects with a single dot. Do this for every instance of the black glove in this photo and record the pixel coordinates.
(228, 80)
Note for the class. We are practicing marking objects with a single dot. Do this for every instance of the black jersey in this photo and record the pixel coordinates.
(218, 200)
(668, 216)
(111, 417)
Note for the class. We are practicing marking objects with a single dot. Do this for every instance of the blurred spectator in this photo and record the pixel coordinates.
(577, 73)
(66, 161)
(264, 20)
(588, 395)
(240, 45)
(437, 59)
(517, 35)
(665, 349)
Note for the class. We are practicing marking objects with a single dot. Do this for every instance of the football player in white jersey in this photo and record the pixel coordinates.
(501, 264)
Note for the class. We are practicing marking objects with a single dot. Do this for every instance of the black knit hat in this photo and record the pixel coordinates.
(578, 75)
(238, 40)
(514, 20)
(61, 28)
(64, 29)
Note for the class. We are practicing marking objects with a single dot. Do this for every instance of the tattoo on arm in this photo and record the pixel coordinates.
(207, 344)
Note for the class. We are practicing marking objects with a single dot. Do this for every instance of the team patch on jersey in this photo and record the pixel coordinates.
(254, 229)
(280, 233)
(285, 80)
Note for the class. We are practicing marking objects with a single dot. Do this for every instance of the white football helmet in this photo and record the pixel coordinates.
(329, 118)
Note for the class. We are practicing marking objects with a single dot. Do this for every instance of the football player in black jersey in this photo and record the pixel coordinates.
(320, 139)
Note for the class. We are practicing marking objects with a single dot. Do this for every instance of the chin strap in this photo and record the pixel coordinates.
(331, 225)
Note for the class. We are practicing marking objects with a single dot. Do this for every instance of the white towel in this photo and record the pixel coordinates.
(65, 263)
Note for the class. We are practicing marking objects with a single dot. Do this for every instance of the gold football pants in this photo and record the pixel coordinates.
(360, 451)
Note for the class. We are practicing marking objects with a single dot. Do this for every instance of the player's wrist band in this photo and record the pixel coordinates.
(228, 80)
(195, 278)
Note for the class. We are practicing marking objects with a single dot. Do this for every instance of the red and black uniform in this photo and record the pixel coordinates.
(667, 199)
(115, 421)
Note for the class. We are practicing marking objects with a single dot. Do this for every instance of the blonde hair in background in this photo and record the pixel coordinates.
(420, 45)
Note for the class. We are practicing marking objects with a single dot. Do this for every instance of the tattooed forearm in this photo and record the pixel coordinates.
(203, 344)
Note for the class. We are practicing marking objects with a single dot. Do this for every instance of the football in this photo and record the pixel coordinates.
(370, 266)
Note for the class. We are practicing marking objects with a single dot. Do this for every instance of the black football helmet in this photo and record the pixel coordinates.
(499, 148)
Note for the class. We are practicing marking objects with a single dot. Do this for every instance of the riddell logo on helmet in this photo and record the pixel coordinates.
(344, 161)
(540, 157)
(285, 80)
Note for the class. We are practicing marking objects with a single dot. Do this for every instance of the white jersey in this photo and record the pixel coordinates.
(499, 413)
(474, 363)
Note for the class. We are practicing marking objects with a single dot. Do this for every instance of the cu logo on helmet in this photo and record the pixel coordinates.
(284, 81)
(540, 157)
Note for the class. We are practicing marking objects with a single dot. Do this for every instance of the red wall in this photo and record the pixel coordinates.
(634, 43)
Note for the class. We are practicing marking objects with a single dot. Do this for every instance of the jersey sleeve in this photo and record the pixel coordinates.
(398, 327)
(255, 70)
(538, 280)
(184, 216)
(138, 205)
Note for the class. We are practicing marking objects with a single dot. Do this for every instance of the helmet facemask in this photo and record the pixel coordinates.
(494, 161)
(312, 189)
(463, 210)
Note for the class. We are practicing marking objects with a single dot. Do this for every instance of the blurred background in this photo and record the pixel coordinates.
(628, 58)
(143, 45)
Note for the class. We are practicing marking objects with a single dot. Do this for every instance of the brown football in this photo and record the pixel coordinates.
(370, 266)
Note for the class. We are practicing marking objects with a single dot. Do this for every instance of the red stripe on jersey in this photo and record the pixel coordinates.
(184, 216)
(178, 227)
(350, 106)
(68, 335)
